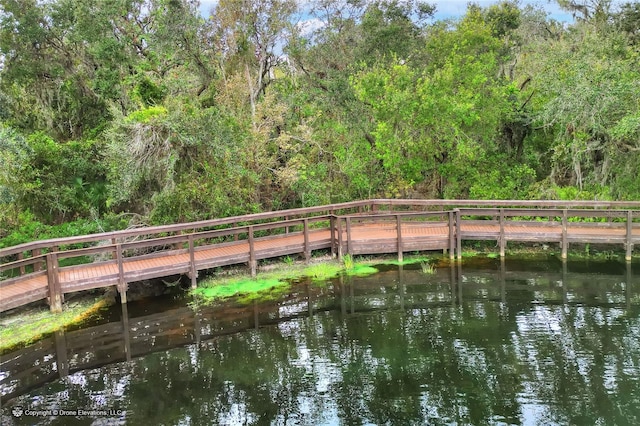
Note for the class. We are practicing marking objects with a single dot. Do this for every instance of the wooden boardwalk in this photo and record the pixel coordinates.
(119, 258)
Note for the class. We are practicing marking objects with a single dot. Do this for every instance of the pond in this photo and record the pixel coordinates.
(486, 342)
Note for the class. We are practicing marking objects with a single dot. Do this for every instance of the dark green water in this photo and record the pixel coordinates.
(523, 343)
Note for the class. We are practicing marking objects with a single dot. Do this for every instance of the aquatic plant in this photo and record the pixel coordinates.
(347, 261)
(427, 268)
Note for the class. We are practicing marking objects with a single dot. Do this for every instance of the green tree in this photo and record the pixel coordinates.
(436, 121)
(586, 87)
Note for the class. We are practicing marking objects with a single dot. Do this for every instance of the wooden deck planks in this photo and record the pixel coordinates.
(381, 237)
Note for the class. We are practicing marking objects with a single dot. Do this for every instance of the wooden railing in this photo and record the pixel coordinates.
(551, 219)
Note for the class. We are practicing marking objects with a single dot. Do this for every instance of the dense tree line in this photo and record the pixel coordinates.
(146, 107)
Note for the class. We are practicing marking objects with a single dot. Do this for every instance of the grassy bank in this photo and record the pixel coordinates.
(28, 326)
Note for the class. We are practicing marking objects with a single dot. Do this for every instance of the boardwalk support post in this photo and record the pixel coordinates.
(126, 334)
(565, 244)
(399, 235)
(55, 292)
(629, 243)
(503, 242)
(452, 237)
(122, 283)
(307, 247)
(253, 264)
(62, 362)
(193, 274)
(458, 233)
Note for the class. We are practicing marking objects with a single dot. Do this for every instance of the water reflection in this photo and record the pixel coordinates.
(467, 345)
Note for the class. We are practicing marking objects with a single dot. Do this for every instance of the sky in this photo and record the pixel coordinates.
(452, 8)
(457, 8)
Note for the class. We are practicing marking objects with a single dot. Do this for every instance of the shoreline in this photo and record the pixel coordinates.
(27, 326)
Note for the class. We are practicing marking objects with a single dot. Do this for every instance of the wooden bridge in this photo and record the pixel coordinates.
(50, 269)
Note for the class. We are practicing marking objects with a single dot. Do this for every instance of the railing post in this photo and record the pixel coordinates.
(502, 240)
(122, 283)
(253, 264)
(55, 293)
(178, 246)
(629, 243)
(452, 237)
(458, 234)
(339, 237)
(38, 266)
(564, 234)
(192, 263)
(286, 228)
(235, 236)
(399, 236)
(114, 254)
(20, 257)
(349, 244)
(307, 247)
(332, 223)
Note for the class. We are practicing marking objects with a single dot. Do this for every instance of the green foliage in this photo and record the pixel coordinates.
(503, 181)
(26, 227)
(433, 121)
(146, 115)
(148, 107)
(55, 181)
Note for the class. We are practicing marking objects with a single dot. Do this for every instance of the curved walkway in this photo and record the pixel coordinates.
(354, 228)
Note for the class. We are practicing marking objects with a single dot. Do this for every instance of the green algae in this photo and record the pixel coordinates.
(409, 260)
(248, 288)
(361, 270)
(322, 271)
(27, 327)
(269, 285)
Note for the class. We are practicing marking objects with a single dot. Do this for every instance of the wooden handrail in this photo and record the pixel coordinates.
(373, 204)
(609, 209)
(177, 227)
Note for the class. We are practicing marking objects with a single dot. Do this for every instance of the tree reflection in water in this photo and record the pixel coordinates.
(468, 345)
